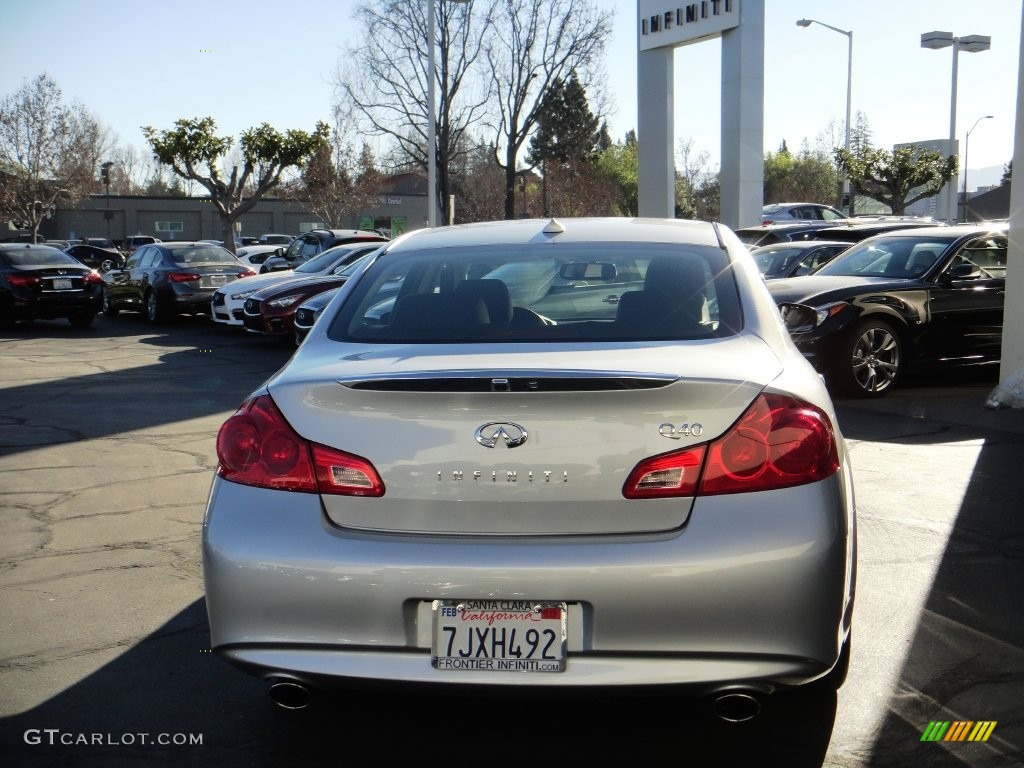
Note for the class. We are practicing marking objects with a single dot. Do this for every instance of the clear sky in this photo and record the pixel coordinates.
(243, 62)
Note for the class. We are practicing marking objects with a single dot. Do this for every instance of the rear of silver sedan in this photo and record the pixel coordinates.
(577, 502)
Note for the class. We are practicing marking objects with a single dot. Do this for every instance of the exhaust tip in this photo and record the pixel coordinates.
(736, 707)
(289, 694)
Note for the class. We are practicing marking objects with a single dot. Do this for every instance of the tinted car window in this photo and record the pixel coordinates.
(319, 262)
(620, 291)
(888, 257)
(39, 256)
(202, 254)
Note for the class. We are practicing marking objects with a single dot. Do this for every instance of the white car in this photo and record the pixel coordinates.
(576, 454)
(226, 307)
(254, 255)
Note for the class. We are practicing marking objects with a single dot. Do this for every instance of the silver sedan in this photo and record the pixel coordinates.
(564, 454)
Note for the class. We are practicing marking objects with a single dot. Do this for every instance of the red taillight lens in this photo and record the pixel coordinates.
(246, 273)
(92, 278)
(778, 442)
(22, 281)
(256, 446)
(182, 277)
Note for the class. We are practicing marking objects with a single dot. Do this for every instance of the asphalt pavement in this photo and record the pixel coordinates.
(106, 456)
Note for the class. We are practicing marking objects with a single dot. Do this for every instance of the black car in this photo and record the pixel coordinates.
(103, 259)
(310, 310)
(165, 279)
(768, 234)
(929, 296)
(306, 246)
(795, 258)
(40, 282)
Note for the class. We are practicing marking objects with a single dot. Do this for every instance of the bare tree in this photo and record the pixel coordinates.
(49, 152)
(480, 184)
(339, 182)
(383, 82)
(536, 43)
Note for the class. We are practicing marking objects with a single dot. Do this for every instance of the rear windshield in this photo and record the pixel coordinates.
(39, 256)
(523, 293)
(202, 254)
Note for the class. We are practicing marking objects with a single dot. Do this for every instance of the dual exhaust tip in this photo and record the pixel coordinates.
(729, 706)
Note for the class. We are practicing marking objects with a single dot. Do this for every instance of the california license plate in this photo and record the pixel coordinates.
(499, 635)
(212, 281)
(61, 284)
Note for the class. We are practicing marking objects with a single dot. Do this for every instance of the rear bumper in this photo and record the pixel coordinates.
(733, 598)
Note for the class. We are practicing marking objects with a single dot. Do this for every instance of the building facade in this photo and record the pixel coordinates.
(402, 206)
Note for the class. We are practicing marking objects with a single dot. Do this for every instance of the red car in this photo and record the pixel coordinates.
(272, 310)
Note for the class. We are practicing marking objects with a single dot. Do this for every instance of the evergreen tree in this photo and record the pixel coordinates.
(567, 131)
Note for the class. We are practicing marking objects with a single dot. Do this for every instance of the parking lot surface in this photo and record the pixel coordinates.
(106, 456)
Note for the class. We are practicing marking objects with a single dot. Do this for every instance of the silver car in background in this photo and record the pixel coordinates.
(567, 454)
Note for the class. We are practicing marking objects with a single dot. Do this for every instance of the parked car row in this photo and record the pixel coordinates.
(862, 313)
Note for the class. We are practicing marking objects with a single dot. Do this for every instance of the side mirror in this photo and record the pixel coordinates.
(961, 272)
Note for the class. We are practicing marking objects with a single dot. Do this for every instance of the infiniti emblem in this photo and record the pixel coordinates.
(488, 434)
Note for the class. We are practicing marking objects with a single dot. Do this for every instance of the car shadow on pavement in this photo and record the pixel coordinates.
(207, 369)
(170, 687)
(966, 650)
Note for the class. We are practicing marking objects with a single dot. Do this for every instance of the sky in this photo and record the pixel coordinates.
(244, 62)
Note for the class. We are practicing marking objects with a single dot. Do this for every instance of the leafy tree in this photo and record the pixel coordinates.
(618, 164)
(898, 178)
(194, 152)
(49, 152)
(806, 176)
(1007, 174)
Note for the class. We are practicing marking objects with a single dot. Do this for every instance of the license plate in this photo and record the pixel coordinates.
(61, 284)
(211, 281)
(499, 635)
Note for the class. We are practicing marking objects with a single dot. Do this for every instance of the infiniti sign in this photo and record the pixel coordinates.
(512, 434)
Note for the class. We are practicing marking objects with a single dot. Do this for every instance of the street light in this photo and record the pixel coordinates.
(849, 90)
(105, 173)
(967, 146)
(971, 44)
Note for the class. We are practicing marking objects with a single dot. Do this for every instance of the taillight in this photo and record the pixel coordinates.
(778, 442)
(245, 273)
(21, 281)
(182, 277)
(256, 446)
(92, 278)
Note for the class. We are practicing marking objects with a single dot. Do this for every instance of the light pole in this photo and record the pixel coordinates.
(971, 44)
(967, 146)
(849, 93)
(105, 173)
